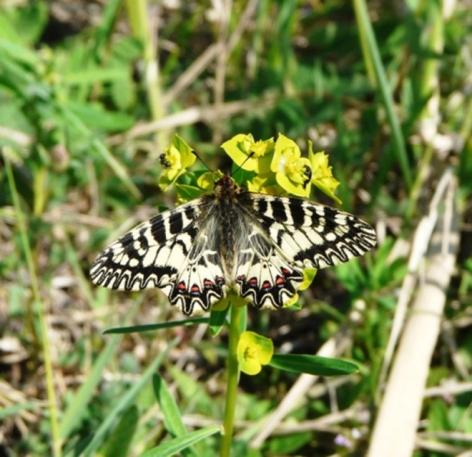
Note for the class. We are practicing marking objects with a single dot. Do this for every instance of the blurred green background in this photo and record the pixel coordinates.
(90, 94)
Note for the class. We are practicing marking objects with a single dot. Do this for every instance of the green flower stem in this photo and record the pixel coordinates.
(235, 331)
(48, 368)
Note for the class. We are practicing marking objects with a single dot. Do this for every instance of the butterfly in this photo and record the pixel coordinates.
(257, 244)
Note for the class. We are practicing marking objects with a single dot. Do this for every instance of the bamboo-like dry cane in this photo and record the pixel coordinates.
(394, 433)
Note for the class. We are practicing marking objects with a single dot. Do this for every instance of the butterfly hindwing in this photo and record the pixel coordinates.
(310, 234)
(158, 253)
(263, 276)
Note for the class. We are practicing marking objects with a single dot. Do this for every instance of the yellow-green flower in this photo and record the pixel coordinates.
(292, 171)
(322, 174)
(206, 181)
(175, 160)
(249, 154)
(308, 276)
(254, 351)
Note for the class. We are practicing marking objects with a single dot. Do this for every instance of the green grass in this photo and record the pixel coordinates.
(384, 91)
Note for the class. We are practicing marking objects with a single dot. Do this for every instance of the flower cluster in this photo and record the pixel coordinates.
(280, 164)
(275, 167)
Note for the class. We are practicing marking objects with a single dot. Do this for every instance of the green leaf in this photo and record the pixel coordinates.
(176, 445)
(194, 392)
(172, 417)
(95, 117)
(187, 192)
(24, 25)
(160, 326)
(123, 403)
(77, 408)
(217, 320)
(374, 63)
(313, 364)
(17, 408)
(120, 440)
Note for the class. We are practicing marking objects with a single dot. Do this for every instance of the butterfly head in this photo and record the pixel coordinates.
(226, 188)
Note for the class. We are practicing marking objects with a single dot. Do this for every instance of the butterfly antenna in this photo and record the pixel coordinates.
(241, 166)
(201, 160)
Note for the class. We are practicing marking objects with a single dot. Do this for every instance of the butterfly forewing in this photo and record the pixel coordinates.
(310, 234)
(171, 252)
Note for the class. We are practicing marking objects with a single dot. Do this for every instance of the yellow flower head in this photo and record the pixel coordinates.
(254, 351)
(175, 160)
(322, 174)
(292, 172)
(250, 155)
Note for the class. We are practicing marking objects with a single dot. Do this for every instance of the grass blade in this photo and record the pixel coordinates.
(48, 368)
(313, 364)
(76, 408)
(159, 326)
(175, 445)
(373, 61)
(124, 403)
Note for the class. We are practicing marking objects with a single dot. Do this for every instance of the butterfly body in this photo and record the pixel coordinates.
(255, 243)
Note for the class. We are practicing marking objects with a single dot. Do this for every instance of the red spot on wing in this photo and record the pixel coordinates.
(181, 286)
(266, 285)
(279, 281)
(195, 289)
(207, 283)
(285, 271)
(253, 282)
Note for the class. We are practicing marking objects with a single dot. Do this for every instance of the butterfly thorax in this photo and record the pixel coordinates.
(228, 228)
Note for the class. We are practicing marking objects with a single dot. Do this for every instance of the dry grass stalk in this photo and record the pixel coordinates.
(191, 116)
(421, 240)
(395, 428)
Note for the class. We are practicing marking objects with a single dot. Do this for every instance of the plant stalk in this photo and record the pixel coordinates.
(48, 368)
(232, 382)
(143, 30)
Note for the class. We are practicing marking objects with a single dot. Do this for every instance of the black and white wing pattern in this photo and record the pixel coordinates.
(286, 235)
(263, 275)
(172, 251)
(259, 244)
(309, 234)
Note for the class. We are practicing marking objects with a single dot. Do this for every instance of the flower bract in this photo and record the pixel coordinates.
(254, 351)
